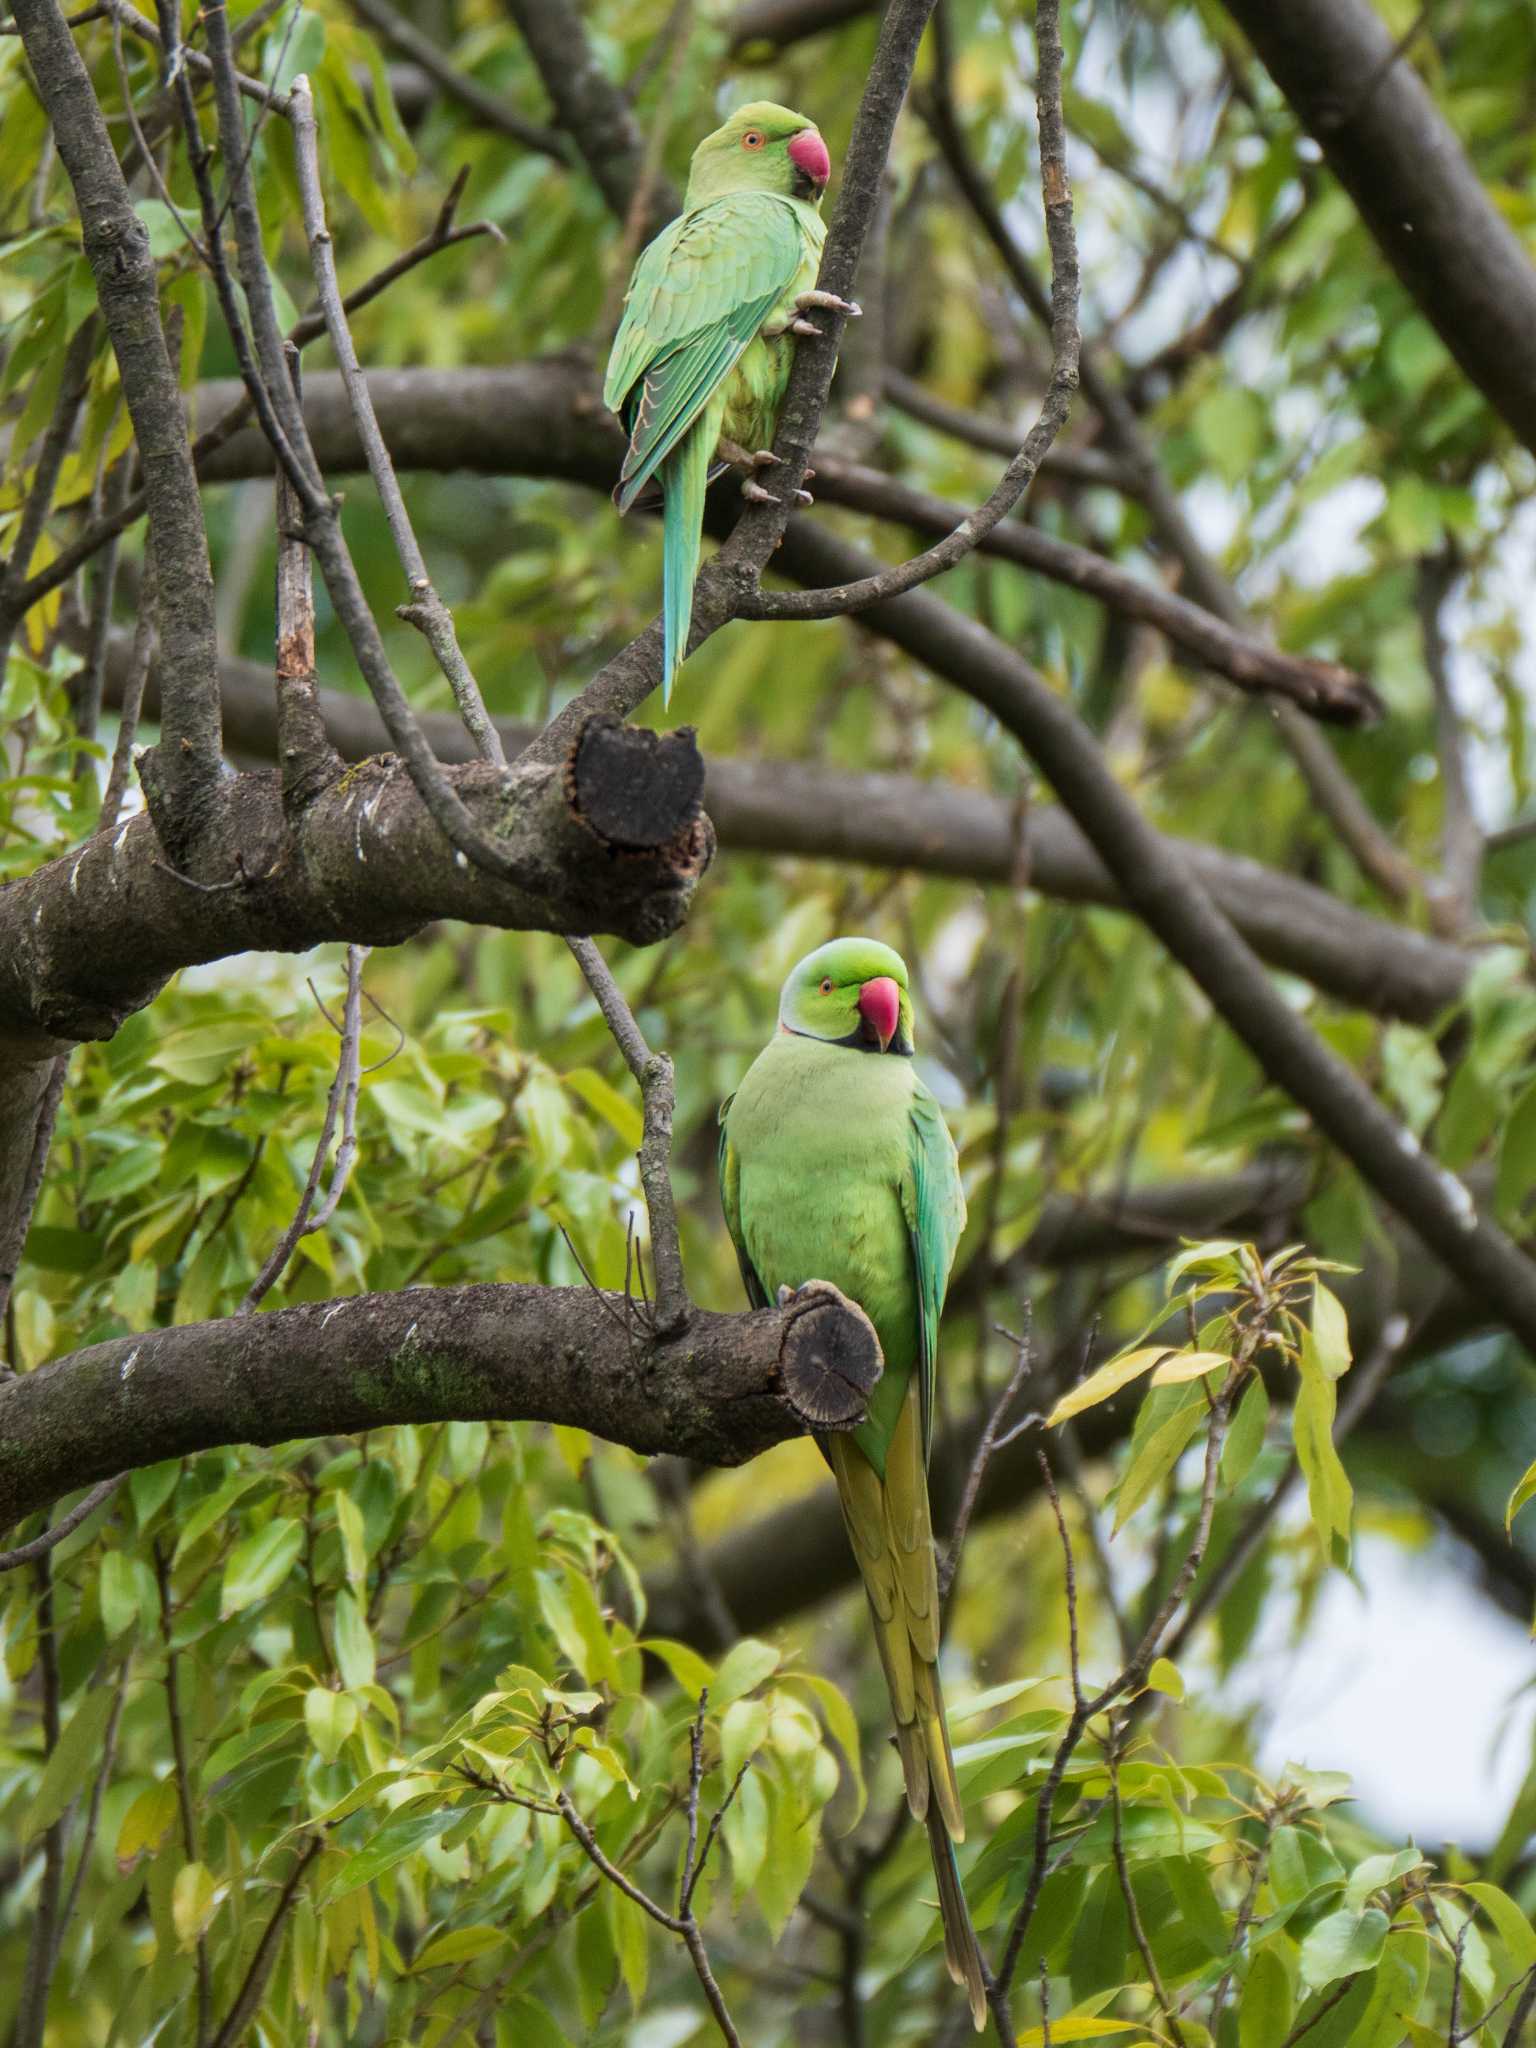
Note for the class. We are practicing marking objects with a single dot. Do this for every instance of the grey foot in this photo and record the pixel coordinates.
(745, 458)
(829, 302)
(804, 498)
(754, 494)
(798, 326)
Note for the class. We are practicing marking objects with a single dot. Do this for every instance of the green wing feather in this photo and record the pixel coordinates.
(934, 1206)
(700, 293)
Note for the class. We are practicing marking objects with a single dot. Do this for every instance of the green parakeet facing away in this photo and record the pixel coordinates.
(703, 350)
(835, 1164)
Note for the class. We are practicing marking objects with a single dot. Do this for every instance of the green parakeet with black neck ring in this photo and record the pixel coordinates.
(704, 348)
(836, 1164)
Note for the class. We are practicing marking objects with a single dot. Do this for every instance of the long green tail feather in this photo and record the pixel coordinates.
(685, 477)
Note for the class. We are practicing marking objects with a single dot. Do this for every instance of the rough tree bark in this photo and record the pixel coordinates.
(722, 1390)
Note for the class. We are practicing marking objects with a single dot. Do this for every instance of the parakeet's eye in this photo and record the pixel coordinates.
(826, 986)
(753, 139)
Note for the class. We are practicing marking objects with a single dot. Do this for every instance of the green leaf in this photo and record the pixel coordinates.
(1525, 1491)
(259, 1565)
(690, 1670)
(393, 1842)
(214, 1509)
(118, 1592)
(1165, 1676)
(1266, 2009)
(615, 1109)
(462, 1945)
(844, 1726)
(1330, 1331)
(1517, 1156)
(1343, 1943)
(1512, 1925)
(70, 1768)
(631, 1943)
(354, 1539)
(194, 1899)
(146, 1823)
(330, 1717)
(354, 1642)
(1329, 1493)
(1245, 1439)
(745, 1665)
(742, 1729)
(1156, 1457)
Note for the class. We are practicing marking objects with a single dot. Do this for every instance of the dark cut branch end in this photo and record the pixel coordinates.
(830, 1358)
(638, 791)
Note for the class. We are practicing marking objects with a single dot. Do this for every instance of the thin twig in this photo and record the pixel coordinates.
(1327, 781)
(985, 1447)
(683, 1925)
(248, 1997)
(32, 1180)
(1128, 1893)
(426, 610)
(42, 1950)
(132, 704)
(66, 1525)
(1522, 2011)
(342, 1098)
(282, 417)
(488, 108)
(183, 1776)
(443, 235)
(653, 1072)
(93, 1810)
(1365, 1382)
(1066, 347)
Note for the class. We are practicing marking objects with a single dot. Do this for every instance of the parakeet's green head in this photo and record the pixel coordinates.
(762, 148)
(850, 992)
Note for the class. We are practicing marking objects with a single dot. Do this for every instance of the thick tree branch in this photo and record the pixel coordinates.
(1397, 156)
(545, 418)
(91, 937)
(766, 25)
(590, 107)
(726, 1389)
(1322, 688)
(1166, 894)
(186, 765)
(488, 108)
(898, 821)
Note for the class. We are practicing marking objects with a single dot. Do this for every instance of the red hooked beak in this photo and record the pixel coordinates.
(880, 1007)
(808, 153)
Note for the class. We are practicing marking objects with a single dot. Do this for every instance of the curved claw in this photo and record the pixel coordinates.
(805, 327)
(804, 498)
(755, 494)
(829, 302)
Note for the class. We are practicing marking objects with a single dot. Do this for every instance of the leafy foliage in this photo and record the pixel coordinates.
(337, 1690)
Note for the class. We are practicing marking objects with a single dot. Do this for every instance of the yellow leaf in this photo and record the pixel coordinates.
(194, 1896)
(146, 1823)
(1188, 1365)
(1109, 1379)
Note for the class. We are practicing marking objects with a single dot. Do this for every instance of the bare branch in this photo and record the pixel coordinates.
(1066, 345)
(488, 108)
(653, 1073)
(929, 826)
(342, 1096)
(186, 765)
(426, 609)
(66, 1525)
(987, 1443)
(1323, 688)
